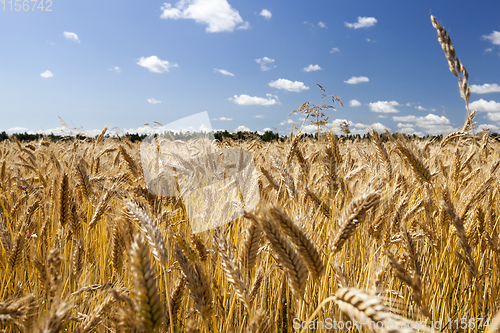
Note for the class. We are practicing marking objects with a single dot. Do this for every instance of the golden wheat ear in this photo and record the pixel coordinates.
(78, 259)
(382, 155)
(95, 319)
(260, 323)
(462, 240)
(146, 289)
(150, 230)
(176, 298)
(54, 320)
(293, 264)
(13, 310)
(360, 306)
(197, 283)
(352, 217)
(250, 246)
(455, 66)
(415, 164)
(232, 269)
(306, 249)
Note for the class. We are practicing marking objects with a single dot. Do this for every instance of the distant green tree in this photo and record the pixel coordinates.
(4, 136)
(269, 136)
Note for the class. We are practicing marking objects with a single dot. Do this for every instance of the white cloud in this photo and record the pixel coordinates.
(493, 116)
(295, 86)
(488, 127)
(57, 130)
(244, 26)
(408, 129)
(408, 104)
(71, 36)
(259, 116)
(176, 127)
(115, 69)
(382, 116)
(46, 74)
(266, 13)
(263, 63)
(363, 22)
(17, 130)
(242, 129)
(223, 119)
(357, 79)
(335, 49)
(334, 126)
(356, 128)
(354, 102)
(430, 124)
(65, 131)
(218, 15)
(485, 88)
(288, 121)
(223, 72)
(153, 101)
(139, 130)
(309, 129)
(405, 118)
(378, 127)
(321, 24)
(421, 108)
(384, 107)
(482, 105)
(267, 129)
(92, 133)
(249, 100)
(494, 37)
(312, 68)
(155, 64)
(489, 49)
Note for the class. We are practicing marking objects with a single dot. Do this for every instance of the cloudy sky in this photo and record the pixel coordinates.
(249, 64)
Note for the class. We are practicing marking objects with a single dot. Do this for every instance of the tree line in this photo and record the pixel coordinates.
(219, 135)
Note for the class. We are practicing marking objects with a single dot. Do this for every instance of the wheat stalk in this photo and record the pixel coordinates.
(304, 245)
(416, 165)
(462, 239)
(360, 306)
(150, 231)
(293, 264)
(197, 284)
(250, 246)
(146, 290)
(100, 209)
(231, 269)
(456, 67)
(351, 217)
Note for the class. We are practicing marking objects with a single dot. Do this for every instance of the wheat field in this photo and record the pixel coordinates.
(390, 229)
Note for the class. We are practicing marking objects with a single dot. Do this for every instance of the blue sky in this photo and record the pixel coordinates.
(249, 64)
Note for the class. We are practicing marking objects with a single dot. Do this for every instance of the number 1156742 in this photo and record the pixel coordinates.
(26, 5)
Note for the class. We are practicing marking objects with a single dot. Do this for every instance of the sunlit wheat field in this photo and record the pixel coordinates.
(381, 228)
(386, 234)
